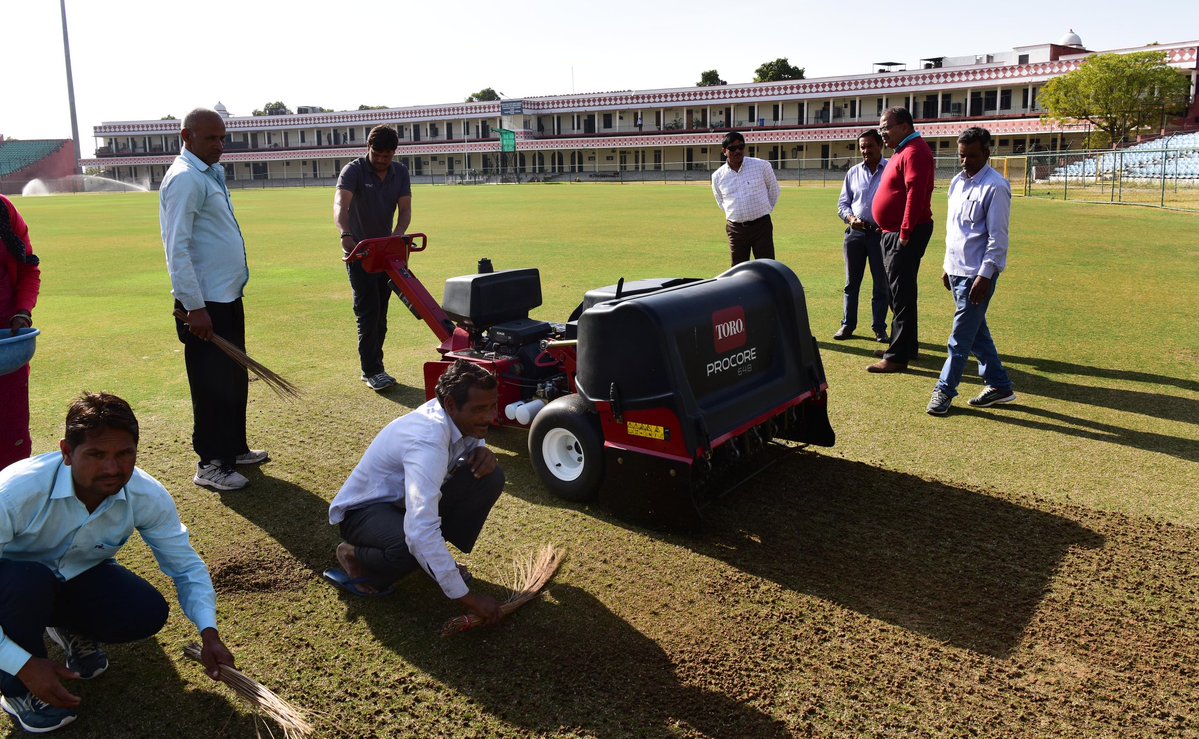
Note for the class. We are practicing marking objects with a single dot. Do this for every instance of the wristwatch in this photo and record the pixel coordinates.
(346, 233)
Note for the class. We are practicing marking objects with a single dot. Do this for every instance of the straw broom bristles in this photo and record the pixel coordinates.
(282, 387)
(530, 574)
(288, 717)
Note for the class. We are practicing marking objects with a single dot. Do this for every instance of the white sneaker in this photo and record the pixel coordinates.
(254, 456)
(215, 477)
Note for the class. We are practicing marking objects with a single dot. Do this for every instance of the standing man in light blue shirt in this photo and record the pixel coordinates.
(976, 246)
(64, 516)
(863, 239)
(206, 258)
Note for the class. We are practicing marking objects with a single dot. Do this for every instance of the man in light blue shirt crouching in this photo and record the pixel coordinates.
(976, 246)
(64, 516)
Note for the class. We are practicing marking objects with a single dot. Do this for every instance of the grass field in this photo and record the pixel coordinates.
(1026, 571)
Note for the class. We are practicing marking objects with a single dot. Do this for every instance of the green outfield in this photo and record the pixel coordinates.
(1024, 571)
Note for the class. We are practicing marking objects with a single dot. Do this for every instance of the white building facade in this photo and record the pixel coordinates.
(796, 125)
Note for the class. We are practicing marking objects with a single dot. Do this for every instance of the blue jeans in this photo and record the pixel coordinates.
(862, 247)
(970, 335)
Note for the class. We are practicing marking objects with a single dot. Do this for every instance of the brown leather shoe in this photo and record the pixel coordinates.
(886, 366)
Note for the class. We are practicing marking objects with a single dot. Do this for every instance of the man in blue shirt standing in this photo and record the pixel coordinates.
(206, 258)
(64, 516)
(370, 190)
(976, 246)
(863, 239)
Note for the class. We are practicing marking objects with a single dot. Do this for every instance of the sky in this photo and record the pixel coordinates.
(146, 59)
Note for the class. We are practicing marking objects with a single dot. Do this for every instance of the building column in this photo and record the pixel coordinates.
(939, 105)
(966, 105)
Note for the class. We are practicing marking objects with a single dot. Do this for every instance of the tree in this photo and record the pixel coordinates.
(483, 95)
(1116, 93)
(711, 78)
(275, 108)
(778, 70)
(372, 107)
(168, 117)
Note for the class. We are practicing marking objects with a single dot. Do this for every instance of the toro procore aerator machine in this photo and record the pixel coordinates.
(648, 390)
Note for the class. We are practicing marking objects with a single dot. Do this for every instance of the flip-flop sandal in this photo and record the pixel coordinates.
(466, 576)
(342, 581)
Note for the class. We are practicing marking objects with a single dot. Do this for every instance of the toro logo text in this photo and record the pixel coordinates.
(728, 329)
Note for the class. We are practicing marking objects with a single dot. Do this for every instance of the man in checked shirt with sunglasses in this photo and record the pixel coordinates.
(747, 190)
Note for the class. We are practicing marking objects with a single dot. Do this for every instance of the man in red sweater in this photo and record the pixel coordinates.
(903, 210)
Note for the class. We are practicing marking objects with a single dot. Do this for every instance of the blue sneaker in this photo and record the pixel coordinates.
(993, 396)
(83, 655)
(939, 404)
(35, 715)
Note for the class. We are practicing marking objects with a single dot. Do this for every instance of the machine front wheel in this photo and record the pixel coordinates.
(566, 446)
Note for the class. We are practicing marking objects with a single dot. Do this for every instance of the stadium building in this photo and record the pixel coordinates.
(798, 126)
(22, 161)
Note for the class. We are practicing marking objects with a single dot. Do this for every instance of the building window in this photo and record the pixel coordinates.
(752, 115)
(352, 132)
(1022, 59)
(989, 100)
(1005, 99)
(776, 111)
(607, 120)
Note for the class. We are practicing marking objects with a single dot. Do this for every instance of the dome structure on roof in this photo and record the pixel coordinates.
(220, 108)
(1071, 39)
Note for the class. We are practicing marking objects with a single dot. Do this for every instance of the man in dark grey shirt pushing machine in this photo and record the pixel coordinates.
(369, 192)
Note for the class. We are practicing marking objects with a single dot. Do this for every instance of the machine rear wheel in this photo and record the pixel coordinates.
(566, 446)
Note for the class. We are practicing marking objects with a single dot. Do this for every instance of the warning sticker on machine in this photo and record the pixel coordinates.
(646, 430)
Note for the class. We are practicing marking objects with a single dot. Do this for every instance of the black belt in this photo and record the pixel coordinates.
(747, 223)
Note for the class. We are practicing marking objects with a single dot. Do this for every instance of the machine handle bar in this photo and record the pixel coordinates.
(362, 248)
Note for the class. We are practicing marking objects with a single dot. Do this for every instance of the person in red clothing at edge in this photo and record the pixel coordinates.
(903, 210)
(20, 279)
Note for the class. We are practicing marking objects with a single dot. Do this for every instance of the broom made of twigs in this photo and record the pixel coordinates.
(289, 718)
(282, 387)
(529, 575)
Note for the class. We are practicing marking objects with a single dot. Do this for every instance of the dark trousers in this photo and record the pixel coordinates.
(107, 603)
(377, 531)
(219, 386)
(862, 247)
(371, 293)
(14, 413)
(755, 236)
(903, 266)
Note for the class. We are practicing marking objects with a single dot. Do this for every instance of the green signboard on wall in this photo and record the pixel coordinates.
(507, 140)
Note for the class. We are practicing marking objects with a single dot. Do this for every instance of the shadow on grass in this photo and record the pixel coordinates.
(1019, 415)
(956, 565)
(293, 516)
(577, 665)
(953, 564)
(143, 695)
(574, 667)
(1155, 405)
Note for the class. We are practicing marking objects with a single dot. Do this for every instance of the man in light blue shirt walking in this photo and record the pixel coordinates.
(206, 258)
(976, 246)
(64, 516)
(863, 239)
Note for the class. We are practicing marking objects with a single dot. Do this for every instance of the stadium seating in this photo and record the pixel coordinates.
(17, 155)
(1176, 157)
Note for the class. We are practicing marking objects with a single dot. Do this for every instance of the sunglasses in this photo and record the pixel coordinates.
(735, 147)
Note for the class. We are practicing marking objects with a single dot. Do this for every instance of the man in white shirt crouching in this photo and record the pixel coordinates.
(426, 479)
